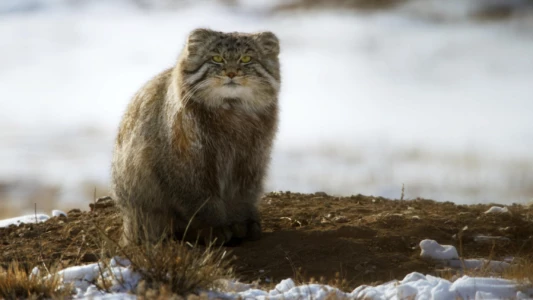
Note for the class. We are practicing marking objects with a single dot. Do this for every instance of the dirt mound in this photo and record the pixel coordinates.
(364, 239)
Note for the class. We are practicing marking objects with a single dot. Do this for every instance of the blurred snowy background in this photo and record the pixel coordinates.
(436, 95)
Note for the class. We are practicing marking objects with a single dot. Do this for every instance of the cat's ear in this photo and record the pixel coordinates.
(268, 42)
(197, 38)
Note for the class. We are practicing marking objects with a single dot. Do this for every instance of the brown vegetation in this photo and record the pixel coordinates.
(17, 283)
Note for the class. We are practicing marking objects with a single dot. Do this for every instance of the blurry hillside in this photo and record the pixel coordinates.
(433, 95)
(475, 8)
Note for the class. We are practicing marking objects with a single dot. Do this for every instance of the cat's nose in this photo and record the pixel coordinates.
(231, 74)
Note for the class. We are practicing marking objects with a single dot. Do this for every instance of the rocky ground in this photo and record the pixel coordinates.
(359, 239)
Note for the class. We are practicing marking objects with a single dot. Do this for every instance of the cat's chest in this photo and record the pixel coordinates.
(235, 128)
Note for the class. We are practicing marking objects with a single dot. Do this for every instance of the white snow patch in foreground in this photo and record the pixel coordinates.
(419, 286)
(414, 286)
(35, 218)
(123, 279)
(497, 210)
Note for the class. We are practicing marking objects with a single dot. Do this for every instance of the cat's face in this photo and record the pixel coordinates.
(237, 68)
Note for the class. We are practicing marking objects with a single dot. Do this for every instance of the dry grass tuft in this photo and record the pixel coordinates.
(17, 283)
(180, 268)
(171, 268)
(339, 281)
(521, 271)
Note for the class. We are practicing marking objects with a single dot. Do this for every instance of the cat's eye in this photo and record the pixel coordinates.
(218, 59)
(246, 59)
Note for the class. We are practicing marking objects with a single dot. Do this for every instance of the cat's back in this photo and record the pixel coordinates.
(142, 114)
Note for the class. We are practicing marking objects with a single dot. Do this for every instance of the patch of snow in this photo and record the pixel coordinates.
(122, 278)
(497, 210)
(282, 287)
(484, 288)
(432, 249)
(448, 254)
(413, 286)
(235, 286)
(490, 239)
(35, 272)
(24, 219)
(419, 286)
(286, 289)
(31, 218)
(479, 264)
(58, 213)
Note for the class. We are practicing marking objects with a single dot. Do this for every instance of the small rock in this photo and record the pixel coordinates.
(102, 202)
(74, 231)
(74, 211)
(321, 194)
(30, 234)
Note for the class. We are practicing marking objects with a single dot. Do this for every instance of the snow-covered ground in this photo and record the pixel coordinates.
(370, 101)
(413, 286)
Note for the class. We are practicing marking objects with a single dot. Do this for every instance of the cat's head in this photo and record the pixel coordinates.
(242, 68)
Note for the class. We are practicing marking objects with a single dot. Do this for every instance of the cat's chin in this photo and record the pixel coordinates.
(233, 91)
(232, 97)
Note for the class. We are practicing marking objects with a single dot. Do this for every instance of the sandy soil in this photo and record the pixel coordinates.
(363, 239)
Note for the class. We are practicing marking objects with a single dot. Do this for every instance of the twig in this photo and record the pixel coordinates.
(190, 221)
(94, 200)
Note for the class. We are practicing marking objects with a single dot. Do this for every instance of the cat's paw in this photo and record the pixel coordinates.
(239, 230)
(220, 235)
(216, 235)
(254, 231)
(248, 230)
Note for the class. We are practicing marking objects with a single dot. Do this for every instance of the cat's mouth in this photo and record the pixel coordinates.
(231, 83)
